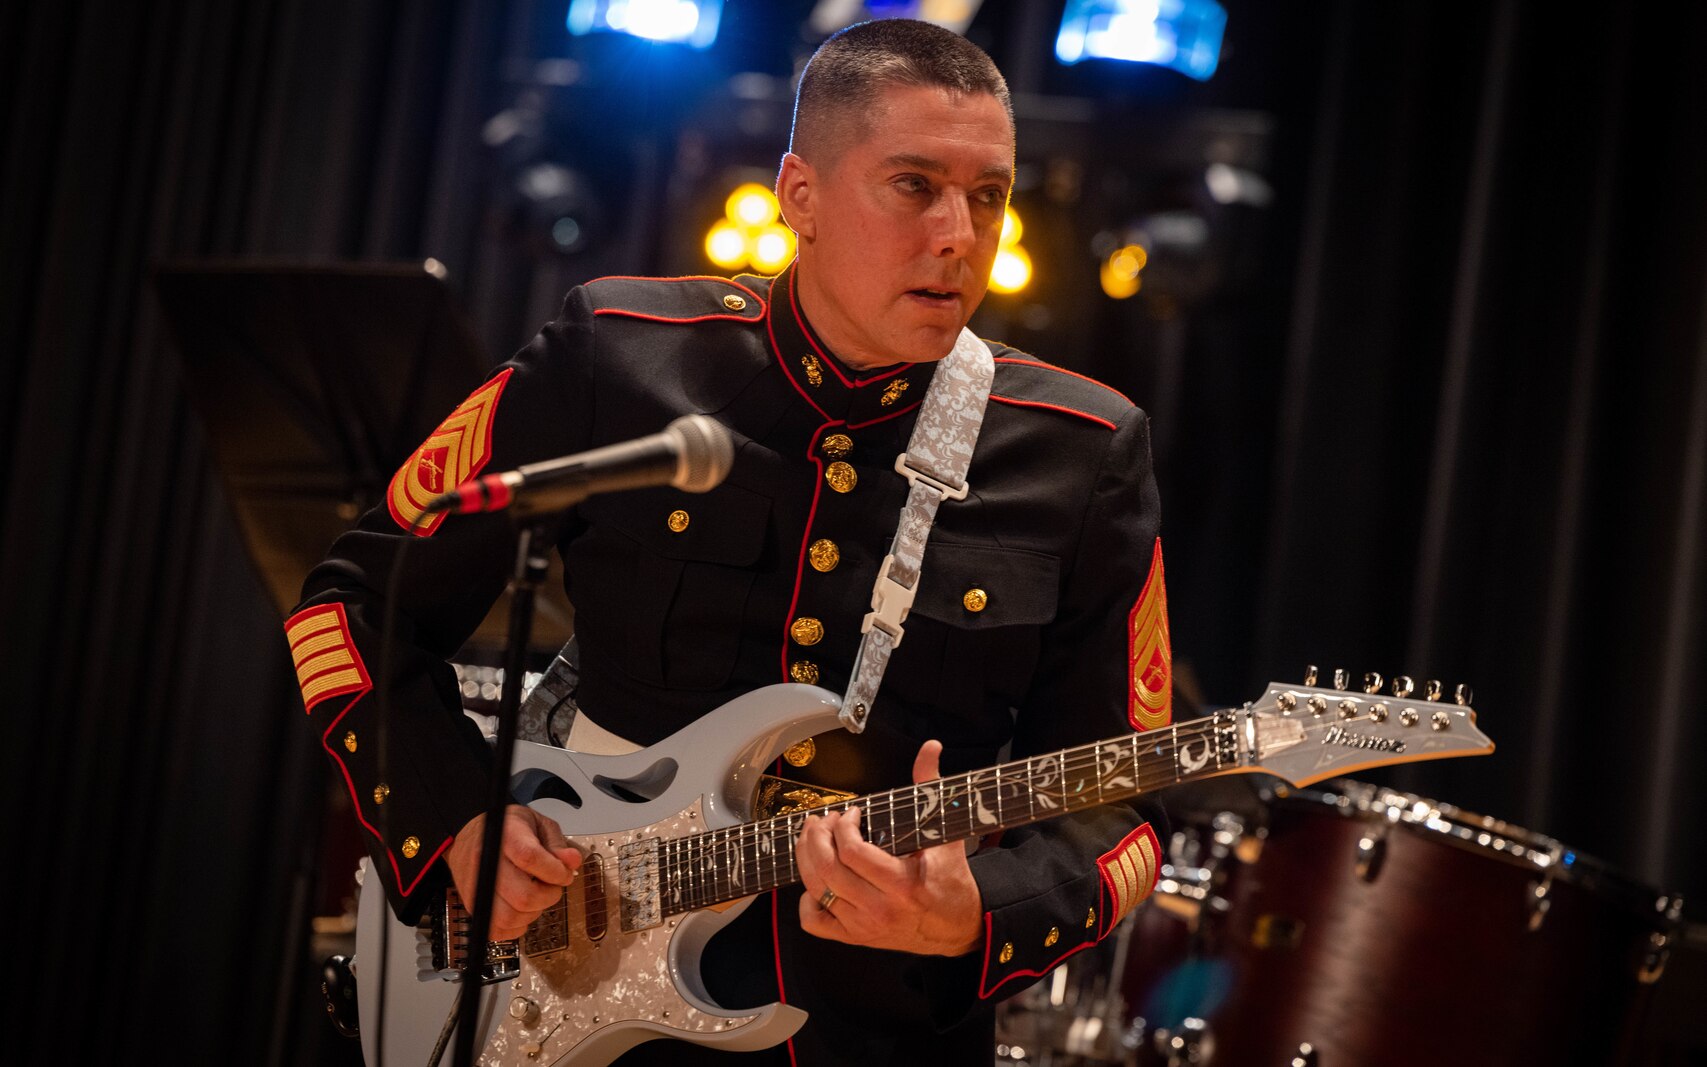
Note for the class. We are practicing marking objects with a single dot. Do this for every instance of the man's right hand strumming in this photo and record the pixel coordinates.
(535, 862)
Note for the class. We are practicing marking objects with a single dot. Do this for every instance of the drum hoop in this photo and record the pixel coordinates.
(1485, 835)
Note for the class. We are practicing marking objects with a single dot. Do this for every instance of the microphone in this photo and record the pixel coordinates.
(692, 453)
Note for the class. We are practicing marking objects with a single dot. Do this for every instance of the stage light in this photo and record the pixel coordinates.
(749, 233)
(726, 245)
(1012, 269)
(771, 248)
(1184, 35)
(1120, 271)
(751, 205)
(689, 22)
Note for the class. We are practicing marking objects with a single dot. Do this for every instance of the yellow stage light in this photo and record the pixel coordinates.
(1121, 269)
(1012, 271)
(1012, 228)
(771, 248)
(751, 205)
(726, 245)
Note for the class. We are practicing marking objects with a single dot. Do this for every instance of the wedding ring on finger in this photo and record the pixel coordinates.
(827, 899)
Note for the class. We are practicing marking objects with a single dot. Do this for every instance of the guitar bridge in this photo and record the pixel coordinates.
(447, 931)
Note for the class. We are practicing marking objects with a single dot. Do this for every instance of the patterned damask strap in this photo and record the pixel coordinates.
(937, 457)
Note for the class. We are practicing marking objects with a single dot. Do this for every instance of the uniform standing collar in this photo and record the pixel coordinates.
(838, 392)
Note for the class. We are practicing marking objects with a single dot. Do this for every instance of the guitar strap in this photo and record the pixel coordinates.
(939, 452)
(935, 463)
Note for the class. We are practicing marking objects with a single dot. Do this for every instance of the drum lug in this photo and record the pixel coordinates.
(1540, 900)
(1659, 941)
(1371, 854)
(1192, 1043)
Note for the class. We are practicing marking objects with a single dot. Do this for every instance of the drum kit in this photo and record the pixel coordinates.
(1349, 925)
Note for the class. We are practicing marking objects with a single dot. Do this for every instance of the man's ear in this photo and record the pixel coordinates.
(796, 189)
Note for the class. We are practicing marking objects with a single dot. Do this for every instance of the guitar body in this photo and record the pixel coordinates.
(589, 988)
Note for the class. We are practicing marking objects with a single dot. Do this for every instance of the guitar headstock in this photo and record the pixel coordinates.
(1306, 733)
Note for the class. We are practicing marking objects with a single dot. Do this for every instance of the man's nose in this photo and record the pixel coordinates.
(953, 234)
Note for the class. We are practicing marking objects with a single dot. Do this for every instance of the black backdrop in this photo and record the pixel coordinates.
(1453, 423)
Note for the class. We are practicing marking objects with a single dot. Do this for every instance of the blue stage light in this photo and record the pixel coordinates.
(1182, 34)
(689, 22)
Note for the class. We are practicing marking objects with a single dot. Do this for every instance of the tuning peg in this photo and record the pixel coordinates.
(1342, 678)
(1462, 695)
(1372, 682)
(1431, 689)
(1310, 674)
(1402, 686)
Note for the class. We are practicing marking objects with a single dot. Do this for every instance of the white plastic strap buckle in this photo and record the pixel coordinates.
(890, 603)
(946, 491)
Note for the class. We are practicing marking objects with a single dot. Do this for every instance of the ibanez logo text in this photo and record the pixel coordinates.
(1338, 735)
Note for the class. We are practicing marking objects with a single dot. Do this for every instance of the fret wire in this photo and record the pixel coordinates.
(701, 880)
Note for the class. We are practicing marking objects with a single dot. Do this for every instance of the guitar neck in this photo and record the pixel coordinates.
(706, 869)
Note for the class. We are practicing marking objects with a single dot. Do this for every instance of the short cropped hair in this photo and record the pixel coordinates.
(844, 77)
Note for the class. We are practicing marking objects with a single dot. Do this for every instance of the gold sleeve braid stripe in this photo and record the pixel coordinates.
(1129, 872)
(327, 663)
(1150, 657)
(452, 454)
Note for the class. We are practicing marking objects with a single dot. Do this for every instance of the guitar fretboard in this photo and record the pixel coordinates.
(705, 869)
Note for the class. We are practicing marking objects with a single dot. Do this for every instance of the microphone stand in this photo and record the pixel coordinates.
(533, 544)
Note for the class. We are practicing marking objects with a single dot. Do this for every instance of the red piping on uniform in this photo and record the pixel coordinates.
(776, 350)
(1061, 370)
(660, 318)
(356, 798)
(805, 538)
(1053, 407)
(794, 304)
(776, 951)
(986, 993)
(685, 278)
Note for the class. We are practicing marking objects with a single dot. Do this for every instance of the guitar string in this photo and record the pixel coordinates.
(1105, 758)
(713, 864)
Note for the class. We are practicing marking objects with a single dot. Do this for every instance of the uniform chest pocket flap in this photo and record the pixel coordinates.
(978, 587)
(675, 603)
(726, 525)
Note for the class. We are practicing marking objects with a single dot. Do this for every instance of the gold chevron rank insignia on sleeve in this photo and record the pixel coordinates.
(1150, 657)
(454, 453)
(327, 663)
(1129, 872)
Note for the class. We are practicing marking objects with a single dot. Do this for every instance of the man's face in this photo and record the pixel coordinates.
(898, 231)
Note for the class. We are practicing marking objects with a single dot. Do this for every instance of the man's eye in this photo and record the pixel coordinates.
(911, 184)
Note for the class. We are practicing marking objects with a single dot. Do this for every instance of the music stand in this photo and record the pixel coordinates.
(315, 381)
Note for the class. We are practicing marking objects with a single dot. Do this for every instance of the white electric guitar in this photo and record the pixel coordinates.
(672, 853)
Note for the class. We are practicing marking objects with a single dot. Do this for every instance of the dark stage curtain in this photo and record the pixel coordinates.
(1460, 432)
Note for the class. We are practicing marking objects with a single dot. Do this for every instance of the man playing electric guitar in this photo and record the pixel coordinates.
(1039, 620)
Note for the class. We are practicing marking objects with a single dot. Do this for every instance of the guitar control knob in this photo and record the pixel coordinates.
(1403, 686)
(524, 1011)
(1318, 705)
(1431, 689)
(1342, 678)
(1310, 674)
(1372, 682)
(1409, 716)
(1440, 720)
(1462, 695)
